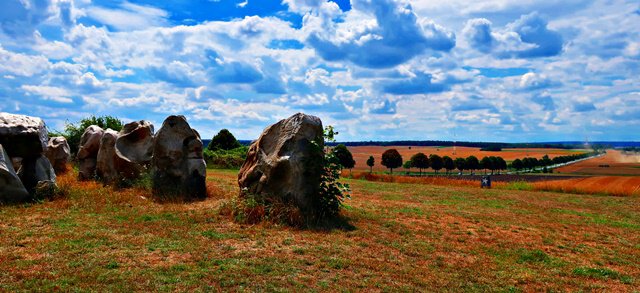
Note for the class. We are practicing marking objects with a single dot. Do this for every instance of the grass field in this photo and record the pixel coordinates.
(618, 164)
(362, 153)
(405, 237)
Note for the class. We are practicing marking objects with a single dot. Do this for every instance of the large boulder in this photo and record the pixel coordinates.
(11, 188)
(134, 148)
(36, 172)
(88, 152)
(105, 166)
(23, 136)
(286, 162)
(178, 165)
(58, 153)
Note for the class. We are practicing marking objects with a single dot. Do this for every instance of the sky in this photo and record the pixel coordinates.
(493, 70)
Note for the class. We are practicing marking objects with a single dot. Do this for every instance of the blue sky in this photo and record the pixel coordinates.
(495, 70)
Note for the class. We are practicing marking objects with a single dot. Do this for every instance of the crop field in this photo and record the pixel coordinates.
(362, 153)
(613, 163)
(397, 237)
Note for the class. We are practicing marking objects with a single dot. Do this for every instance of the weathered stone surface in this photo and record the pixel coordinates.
(88, 152)
(23, 136)
(134, 148)
(36, 170)
(105, 167)
(11, 188)
(284, 163)
(58, 153)
(178, 164)
(17, 162)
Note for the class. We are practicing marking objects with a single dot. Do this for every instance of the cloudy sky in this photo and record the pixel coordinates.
(493, 70)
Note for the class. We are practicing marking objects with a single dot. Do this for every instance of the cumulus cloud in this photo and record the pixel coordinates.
(421, 83)
(396, 36)
(20, 18)
(129, 16)
(535, 81)
(527, 37)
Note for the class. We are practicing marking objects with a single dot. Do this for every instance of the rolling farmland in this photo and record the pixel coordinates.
(362, 153)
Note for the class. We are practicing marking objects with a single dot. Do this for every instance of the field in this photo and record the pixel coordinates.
(399, 237)
(618, 164)
(362, 153)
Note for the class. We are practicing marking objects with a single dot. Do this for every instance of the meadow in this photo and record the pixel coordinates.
(397, 237)
(362, 153)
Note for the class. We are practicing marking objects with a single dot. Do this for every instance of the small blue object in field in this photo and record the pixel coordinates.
(485, 182)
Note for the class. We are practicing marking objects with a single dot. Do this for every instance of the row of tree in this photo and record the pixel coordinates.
(392, 159)
(532, 163)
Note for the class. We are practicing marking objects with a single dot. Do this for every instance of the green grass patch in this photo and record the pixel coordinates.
(519, 185)
(601, 273)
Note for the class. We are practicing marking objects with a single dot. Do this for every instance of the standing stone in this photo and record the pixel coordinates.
(178, 165)
(11, 188)
(36, 172)
(88, 152)
(58, 153)
(105, 166)
(23, 136)
(134, 148)
(284, 162)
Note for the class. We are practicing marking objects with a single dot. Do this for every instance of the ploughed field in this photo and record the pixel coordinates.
(614, 162)
(404, 237)
(362, 153)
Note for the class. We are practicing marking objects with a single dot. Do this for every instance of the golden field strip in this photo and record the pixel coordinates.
(362, 153)
(398, 237)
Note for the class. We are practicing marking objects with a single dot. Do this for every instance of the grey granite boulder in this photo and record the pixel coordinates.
(105, 165)
(178, 164)
(11, 188)
(88, 152)
(58, 153)
(286, 162)
(134, 149)
(23, 136)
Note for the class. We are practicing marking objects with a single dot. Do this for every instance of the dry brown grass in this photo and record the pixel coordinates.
(431, 180)
(362, 153)
(606, 185)
(407, 237)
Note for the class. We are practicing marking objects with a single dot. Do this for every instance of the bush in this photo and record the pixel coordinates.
(226, 159)
(224, 140)
(73, 131)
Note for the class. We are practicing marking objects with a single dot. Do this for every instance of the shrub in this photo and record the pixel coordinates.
(226, 159)
(224, 140)
(73, 131)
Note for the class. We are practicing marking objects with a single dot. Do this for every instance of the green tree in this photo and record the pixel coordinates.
(420, 161)
(436, 162)
(485, 164)
(448, 164)
(371, 162)
(224, 140)
(391, 159)
(407, 166)
(472, 163)
(344, 156)
(502, 164)
(461, 164)
(517, 164)
(73, 131)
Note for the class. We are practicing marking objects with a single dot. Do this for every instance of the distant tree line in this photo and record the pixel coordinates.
(445, 143)
(529, 164)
